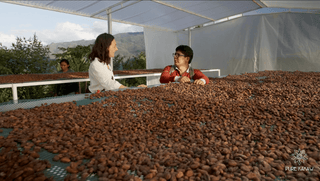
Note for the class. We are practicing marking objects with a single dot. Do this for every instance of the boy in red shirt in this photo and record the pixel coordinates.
(181, 71)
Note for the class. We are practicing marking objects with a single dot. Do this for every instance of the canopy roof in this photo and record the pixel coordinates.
(165, 15)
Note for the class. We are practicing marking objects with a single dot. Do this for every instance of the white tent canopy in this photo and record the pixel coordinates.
(169, 15)
(283, 41)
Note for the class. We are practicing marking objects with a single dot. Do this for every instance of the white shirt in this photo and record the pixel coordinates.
(101, 77)
(176, 78)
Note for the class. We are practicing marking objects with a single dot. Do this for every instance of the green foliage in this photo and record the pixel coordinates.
(77, 57)
(28, 56)
(25, 57)
(5, 95)
(138, 62)
(117, 62)
(5, 56)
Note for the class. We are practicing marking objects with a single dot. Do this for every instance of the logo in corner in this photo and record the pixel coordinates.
(299, 156)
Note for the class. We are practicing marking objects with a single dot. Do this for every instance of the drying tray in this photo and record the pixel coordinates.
(58, 169)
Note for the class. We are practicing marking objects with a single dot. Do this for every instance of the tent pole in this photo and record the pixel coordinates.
(110, 32)
(189, 39)
(15, 93)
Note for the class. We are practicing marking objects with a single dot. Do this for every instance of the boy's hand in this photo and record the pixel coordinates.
(184, 79)
(198, 81)
(142, 85)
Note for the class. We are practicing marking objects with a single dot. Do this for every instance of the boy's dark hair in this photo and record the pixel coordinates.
(186, 50)
(100, 48)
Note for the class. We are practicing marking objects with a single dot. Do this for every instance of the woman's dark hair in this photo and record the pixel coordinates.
(186, 50)
(66, 61)
(100, 48)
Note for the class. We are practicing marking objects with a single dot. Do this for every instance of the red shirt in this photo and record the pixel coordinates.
(166, 77)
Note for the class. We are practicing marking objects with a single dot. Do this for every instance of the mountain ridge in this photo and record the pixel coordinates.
(129, 44)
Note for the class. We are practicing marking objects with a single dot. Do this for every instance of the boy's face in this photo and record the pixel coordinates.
(180, 59)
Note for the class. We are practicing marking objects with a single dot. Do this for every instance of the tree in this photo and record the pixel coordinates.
(29, 56)
(5, 56)
(118, 62)
(78, 60)
(77, 57)
(25, 57)
(138, 62)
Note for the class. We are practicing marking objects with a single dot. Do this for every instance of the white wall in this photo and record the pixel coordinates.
(159, 48)
(282, 41)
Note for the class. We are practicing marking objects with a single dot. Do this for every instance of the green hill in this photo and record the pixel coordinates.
(129, 44)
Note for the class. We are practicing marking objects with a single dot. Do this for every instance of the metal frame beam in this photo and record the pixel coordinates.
(180, 9)
(15, 86)
(88, 6)
(122, 7)
(110, 7)
(264, 2)
(44, 7)
(84, 15)
(25, 3)
(110, 32)
(189, 37)
(296, 8)
(259, 3)
(212, 21)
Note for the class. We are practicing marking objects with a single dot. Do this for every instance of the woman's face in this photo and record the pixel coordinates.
(64, 66)
(180, 59)
(112, 48)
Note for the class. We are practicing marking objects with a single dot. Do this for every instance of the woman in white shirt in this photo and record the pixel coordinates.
(100, 73)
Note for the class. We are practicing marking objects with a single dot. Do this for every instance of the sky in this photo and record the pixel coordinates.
(51, 27)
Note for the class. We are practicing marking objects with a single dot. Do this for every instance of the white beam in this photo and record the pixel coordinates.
(95, 2)
(235, 16)
(189, 37)
(110, 7)
(15, 93)
(122, 7)
(109, 22)
(5, 86)
(211, 21)
(110, 32)
(259, 3)
(262, 4)
(308, 4)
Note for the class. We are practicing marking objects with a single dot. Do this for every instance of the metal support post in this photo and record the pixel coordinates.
(15, 93)
(189, 39)
(110, 32)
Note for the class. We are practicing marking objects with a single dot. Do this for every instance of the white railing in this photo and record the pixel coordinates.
(15, 86)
